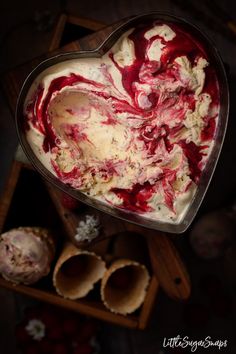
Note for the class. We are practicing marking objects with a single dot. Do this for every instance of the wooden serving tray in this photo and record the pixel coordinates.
(30, 201)
(167, 267)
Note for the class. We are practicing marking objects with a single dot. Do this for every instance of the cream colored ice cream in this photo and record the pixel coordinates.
(133, 128)
(26, 254)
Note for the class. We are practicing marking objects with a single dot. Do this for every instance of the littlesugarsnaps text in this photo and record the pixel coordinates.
(193, 345)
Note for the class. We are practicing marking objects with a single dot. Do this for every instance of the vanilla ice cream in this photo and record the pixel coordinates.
(26, 254)
(133, 128)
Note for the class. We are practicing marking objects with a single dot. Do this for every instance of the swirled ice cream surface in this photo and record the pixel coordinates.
(133, 128)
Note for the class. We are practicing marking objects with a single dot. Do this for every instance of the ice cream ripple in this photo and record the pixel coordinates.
(133, 128)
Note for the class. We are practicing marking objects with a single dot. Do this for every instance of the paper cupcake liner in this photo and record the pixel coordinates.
(76, 272)
(124, 286)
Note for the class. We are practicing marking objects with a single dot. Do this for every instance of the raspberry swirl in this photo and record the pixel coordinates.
(133, 128)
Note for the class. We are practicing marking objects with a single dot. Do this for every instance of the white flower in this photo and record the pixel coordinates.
(87, 229)
(36, 329)
(94, 343)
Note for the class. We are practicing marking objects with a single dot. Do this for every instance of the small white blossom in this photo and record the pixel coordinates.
(87, 229)
(36, 329)
(94, 343)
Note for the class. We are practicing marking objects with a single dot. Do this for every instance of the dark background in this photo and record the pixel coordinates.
(25, 33)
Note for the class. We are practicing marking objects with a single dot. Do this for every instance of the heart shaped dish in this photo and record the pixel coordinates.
(133, 128)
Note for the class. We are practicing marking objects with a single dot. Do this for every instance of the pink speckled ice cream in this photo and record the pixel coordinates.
(25, 254)
(133, 128)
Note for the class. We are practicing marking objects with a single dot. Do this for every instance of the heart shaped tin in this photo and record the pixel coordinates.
(206, 175)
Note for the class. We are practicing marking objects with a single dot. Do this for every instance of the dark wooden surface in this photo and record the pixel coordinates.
(167, 318)
(90, 308)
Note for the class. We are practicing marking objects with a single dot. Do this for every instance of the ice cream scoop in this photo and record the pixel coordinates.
(26, 254)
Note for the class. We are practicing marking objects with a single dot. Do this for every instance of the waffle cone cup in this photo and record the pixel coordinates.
(124, 286)
(76, 272)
